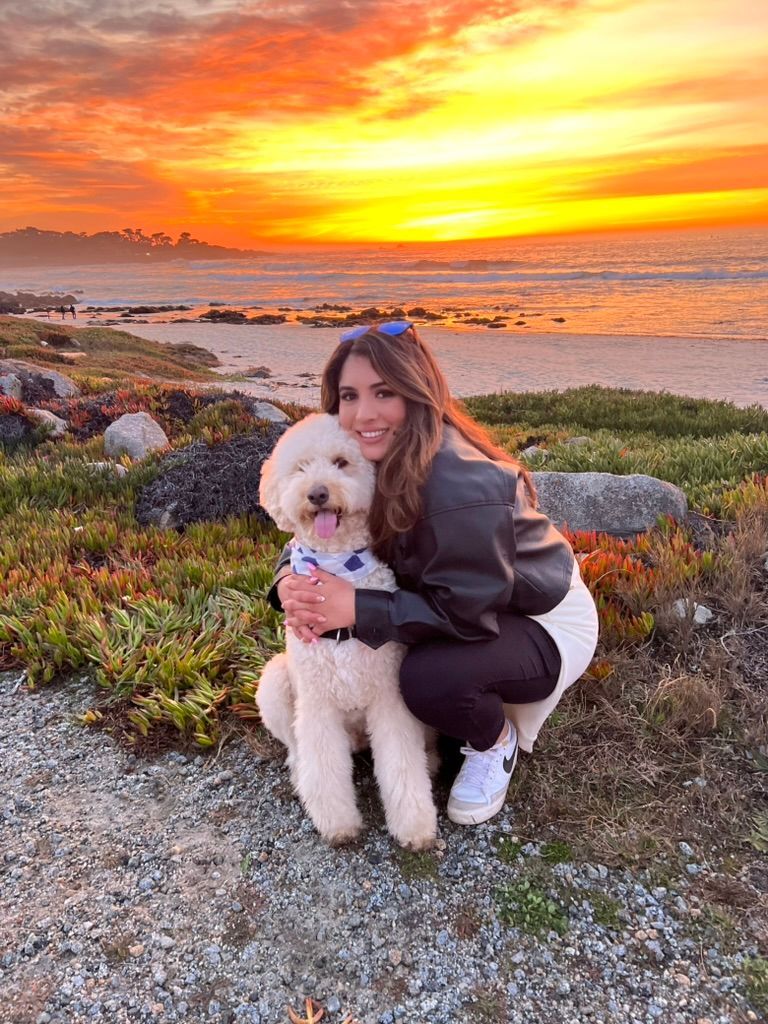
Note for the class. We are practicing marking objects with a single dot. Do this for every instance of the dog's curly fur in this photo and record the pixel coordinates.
(318, 698)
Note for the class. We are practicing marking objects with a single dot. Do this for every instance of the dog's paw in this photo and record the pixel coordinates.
(338, 829)
(342, 837)
(418, 833)
(418, 844)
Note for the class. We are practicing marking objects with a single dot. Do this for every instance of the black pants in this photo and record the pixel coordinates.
(459, 688)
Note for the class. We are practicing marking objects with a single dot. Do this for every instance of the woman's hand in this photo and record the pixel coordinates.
(300, 599)
(338, 600)
(315, 604)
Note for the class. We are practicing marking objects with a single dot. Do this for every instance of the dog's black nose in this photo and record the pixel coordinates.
(319, 495)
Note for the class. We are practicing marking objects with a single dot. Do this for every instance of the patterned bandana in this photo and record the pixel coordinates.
(350, 565)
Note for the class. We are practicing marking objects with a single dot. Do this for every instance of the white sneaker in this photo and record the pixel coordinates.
(481, 786)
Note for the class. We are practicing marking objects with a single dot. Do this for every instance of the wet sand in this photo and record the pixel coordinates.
(481, 361)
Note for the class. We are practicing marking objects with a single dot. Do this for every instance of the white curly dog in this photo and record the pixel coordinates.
(320, 698)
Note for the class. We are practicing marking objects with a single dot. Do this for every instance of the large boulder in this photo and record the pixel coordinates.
(38, 382)
(620, 505)
(209, 482)
(135, 434)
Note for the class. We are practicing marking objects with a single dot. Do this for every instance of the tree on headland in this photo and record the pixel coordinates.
(30, 245)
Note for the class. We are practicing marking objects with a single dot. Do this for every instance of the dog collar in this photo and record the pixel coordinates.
(347, 633)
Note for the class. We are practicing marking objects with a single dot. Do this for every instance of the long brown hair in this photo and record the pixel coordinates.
(406, 365)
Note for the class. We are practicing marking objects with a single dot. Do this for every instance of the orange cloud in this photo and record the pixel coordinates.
(382, 119)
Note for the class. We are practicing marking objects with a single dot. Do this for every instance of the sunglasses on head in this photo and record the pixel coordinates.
(394, 327)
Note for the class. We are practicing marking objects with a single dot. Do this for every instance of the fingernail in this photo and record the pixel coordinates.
(320, 597)
(314, 640)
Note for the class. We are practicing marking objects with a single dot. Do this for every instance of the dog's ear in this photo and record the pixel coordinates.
(269, 493)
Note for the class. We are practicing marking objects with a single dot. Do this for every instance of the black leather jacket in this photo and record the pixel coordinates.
(478, 548)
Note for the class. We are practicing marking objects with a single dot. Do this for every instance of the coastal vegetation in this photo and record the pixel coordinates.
(97, 357)
(667, 737)
(31, 245)
(707, 448)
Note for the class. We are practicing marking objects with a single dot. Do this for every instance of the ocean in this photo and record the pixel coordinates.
(703, 283)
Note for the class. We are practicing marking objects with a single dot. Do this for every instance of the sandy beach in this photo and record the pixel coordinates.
(480, 361)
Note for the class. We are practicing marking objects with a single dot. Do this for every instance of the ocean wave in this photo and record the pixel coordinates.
(493, 273)
(393, 275)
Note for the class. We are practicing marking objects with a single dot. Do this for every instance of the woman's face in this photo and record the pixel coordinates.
(368, 409)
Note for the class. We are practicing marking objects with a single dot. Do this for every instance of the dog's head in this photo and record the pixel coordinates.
(319, 485)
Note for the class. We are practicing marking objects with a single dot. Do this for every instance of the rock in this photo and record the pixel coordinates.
(621, 505)
(38, 382)
(107, 467)
(135, 434)
(578, 441)
(58, 426)
(268, 318)
(224, 316)
(15, 429)
(267, 411)
(208, 482)
(532, 451)
(60, 341)
(417, 312)
(701, 614)
(10, 386)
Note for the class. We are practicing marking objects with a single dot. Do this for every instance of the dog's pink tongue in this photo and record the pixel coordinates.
(325, 524)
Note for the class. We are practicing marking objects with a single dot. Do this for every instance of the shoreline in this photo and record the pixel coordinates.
(478, 361)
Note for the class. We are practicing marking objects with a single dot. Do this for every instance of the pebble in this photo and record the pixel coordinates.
(185, 890)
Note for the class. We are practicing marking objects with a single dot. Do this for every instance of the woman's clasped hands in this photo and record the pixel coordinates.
(316, 604)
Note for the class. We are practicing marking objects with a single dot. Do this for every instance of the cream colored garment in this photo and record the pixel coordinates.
(572, 624)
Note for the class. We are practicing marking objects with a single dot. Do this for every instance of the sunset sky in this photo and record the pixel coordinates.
(372, 120)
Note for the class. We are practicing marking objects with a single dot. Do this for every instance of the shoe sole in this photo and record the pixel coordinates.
(481, 814)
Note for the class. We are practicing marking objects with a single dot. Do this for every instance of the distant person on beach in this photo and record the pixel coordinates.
(497, 619)
(63, 312)
(73, 312)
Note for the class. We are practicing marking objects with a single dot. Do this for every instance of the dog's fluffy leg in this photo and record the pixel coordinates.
(433, 755)
(324, 770)
(400, 765)
(276, 703)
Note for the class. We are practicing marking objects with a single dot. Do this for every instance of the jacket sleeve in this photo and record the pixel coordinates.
(283, 560)
(466, 558)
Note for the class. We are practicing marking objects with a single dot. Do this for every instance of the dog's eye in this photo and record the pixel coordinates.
(341, 463)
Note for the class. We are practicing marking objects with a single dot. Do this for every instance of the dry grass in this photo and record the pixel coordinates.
(688, 705)
(653, 754)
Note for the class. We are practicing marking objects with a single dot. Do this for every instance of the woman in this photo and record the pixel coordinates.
(491, 603)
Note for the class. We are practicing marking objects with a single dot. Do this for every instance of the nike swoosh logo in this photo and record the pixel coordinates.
(509, 764)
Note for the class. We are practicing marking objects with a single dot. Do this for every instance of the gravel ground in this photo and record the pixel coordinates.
(194, 889)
